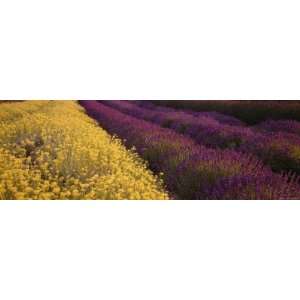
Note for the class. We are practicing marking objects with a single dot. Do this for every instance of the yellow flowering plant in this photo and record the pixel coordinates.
(53, 150)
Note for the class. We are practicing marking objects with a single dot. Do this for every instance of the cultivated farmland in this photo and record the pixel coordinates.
(149, 150)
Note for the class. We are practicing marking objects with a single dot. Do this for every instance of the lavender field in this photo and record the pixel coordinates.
(198, 150)
(210, 154)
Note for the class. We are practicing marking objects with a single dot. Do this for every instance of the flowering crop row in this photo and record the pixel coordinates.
(281, 150)
(53, 150)
(203, 128)
(288, 126)
(222, 118)
(251, 112)
(193, 171)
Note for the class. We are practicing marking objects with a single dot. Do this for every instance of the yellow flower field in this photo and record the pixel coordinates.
(53, 150)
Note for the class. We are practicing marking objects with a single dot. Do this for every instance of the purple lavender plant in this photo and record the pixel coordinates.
(280, 150)
(191, 171)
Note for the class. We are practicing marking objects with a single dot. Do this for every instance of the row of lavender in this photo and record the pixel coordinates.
(280, 150)
(285, 125)
(193, 171)
(224, 119)
(251, 111)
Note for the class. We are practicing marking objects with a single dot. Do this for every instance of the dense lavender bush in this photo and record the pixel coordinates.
(252, 188)
(190, 170)
(279, 150)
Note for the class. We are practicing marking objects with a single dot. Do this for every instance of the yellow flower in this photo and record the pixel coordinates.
(20, 196)
(52, 149)
(56, 190)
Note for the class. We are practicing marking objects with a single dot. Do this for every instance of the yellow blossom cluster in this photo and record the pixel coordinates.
(53, 150)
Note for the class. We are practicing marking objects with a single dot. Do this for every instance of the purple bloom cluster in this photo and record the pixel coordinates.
(248, 187)
(193, 171)
(280, 150)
